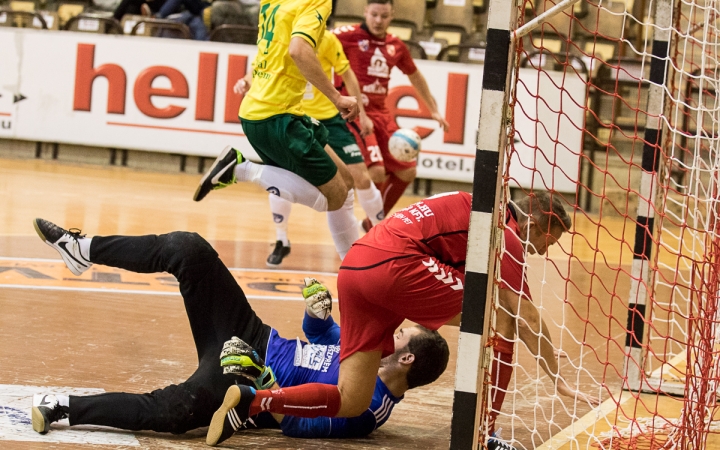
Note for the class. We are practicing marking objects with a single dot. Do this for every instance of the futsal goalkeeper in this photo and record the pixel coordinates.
(223, 324)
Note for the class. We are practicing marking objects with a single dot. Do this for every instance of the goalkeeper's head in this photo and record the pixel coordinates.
(420, 353)
(542, 219)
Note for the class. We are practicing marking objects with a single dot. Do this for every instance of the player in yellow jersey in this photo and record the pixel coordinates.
(340, 139)
(273, 120)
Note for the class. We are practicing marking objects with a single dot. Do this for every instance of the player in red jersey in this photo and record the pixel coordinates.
(411, 266)
(373, 53)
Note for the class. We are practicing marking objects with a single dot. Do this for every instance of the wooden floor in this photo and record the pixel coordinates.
(115, 331)
(130, 333)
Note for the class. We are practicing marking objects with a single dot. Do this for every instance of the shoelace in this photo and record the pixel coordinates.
(75, 232)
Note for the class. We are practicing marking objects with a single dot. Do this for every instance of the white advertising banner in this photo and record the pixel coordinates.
(176, 96)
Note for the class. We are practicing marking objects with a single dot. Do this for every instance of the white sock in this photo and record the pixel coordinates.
(283, 183)
(64, 400)
(372, 203)
(84, 244)
(343, 226)
(280, 209)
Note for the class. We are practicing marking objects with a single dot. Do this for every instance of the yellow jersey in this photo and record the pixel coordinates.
(278, 86)
(332, 59)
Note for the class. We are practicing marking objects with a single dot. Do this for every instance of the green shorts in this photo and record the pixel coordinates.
(294, 143)
(342, 141)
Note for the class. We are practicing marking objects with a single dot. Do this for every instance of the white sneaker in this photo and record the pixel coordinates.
(46, 409)
(66, 243)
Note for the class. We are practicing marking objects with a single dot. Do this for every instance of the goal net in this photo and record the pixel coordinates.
(618, 100)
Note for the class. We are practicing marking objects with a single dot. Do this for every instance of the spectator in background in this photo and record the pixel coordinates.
(191, 15)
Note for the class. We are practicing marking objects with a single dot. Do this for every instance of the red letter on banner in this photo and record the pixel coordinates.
(85, 75)
(144, 91)
(207, 79)
(393, 99)
(455, 105)
(237, 67)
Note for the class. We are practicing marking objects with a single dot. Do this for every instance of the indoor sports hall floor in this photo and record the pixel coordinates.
(114, 331)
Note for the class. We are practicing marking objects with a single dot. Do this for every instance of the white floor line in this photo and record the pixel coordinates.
(244, 269)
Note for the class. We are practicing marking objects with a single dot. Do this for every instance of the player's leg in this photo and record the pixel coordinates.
(231, 167)
(347, 146)
(342, 222)
(280, 209)
(217, 310)
(298, 144)
(370, 199)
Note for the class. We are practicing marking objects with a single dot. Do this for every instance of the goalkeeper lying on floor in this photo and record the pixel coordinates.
(230, 340)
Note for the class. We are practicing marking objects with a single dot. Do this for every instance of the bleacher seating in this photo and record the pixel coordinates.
(349, 12)
(409, 15)
(464, 53)
(100, 23)
(165, 28)
(238, 34)
(452, 23)
(21, 19)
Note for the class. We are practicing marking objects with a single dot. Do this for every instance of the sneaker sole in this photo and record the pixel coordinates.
(38, 421)
(231, 400)
(69, 263)
(210, 170)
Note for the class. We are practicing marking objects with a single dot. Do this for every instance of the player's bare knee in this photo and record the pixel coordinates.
(377, 174)
(360, 175)
(336, 192)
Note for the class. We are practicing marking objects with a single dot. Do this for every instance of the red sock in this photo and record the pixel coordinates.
(307, 400)
(500, 375)
(392, 189)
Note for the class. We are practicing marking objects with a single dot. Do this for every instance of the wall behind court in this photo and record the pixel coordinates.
(176, 96)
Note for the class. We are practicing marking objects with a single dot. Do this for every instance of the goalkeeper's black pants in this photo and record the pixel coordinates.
(217, 310)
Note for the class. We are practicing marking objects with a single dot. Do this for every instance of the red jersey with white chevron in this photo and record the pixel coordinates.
(372, 59)
(436, 226)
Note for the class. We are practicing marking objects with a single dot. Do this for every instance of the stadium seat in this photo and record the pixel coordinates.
(608, 22)
(51, 19)
(232, 12)
(147, 26)
(416, 50)
(349, 11)
(99, 23)
(464, 53)
(452, 23)
(21, 19)
(20, 5)
(129, 21)
(68, 10)
(409, 15)
(237, 34)
(405, 33)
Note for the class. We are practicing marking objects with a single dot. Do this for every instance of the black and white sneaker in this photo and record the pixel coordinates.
(45, 410)
(221, 174)
(232, 414)
(278, 254)
(66, 243)
(496, 444)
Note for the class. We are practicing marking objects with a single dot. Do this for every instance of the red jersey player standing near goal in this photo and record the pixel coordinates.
(373, 53)
(412, 266)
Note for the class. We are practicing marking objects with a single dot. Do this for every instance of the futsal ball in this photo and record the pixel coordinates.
(404, 144)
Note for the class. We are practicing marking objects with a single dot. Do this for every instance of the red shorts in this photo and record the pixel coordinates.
(378, 289)
(374, 147)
